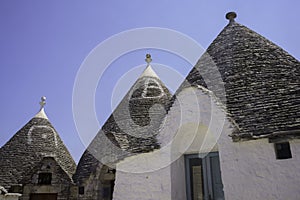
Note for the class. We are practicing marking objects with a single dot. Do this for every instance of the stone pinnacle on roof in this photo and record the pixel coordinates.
(140, 113)
(43, 101)
(148, 58)
(132, 127)
(41, 113)
(36, 140)
(149, 72)
(231, 16)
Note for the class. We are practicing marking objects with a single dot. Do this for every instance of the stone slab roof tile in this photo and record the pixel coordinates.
(35, 140)
(131, 128)
(261, 81)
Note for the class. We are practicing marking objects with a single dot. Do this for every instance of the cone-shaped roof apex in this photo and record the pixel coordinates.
(260, 79)
(41, 113)
(149, 71)
(133, 125)
(34, 141)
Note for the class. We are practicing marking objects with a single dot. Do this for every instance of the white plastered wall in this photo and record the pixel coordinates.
(250, 170)
(194, 125)
(160, 174)
(201, 126)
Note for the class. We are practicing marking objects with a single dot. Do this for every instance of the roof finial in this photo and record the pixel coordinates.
(148, 59)
(43, 101)
(231, 16)
(41, 113)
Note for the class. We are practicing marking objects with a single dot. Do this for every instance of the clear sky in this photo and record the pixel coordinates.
(44, 43)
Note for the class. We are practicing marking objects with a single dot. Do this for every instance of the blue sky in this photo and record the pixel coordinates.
(44, 43)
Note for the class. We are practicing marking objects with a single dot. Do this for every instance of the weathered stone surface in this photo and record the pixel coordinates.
(256, 85)
(131, 129)
(61, 183)
(36, 140)
(260, 79)
(135, 122)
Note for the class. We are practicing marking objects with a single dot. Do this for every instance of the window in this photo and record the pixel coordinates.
(283, 150)
(16, 189)
(45, 178)
(81, 190)
(203, 177)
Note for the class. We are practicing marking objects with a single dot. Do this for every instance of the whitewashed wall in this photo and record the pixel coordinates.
(194, 125)
(202, 122)
(140, 177)
(250, 170)
(160, 174)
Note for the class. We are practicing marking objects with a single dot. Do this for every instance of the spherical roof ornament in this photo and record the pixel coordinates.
(148, 59)
(41, 113)
(231, 16)
(43, 101)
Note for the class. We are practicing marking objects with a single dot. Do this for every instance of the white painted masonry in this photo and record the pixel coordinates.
(250, 170)
(197, 124)
(160, 174)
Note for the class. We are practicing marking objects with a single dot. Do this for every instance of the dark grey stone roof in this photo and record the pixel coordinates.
(61, 177)
(131, 129)
(37, 139)
(87, 165)
(135, 122)
(261, 82)
(3, 190)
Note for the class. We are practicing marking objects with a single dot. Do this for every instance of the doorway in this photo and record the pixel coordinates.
(203, 177)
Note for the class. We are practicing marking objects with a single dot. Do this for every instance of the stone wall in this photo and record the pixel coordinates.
(10, 196)
(35, 140)
(4, 195)
(98, 184)
(61, 184)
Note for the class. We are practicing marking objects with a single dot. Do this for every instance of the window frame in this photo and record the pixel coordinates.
(208, 190)
(280, 154)
(42, 178)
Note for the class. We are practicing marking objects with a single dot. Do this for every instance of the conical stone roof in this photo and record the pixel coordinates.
(133, 125)
(35, 140)
(260, 81)
(135, 122)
